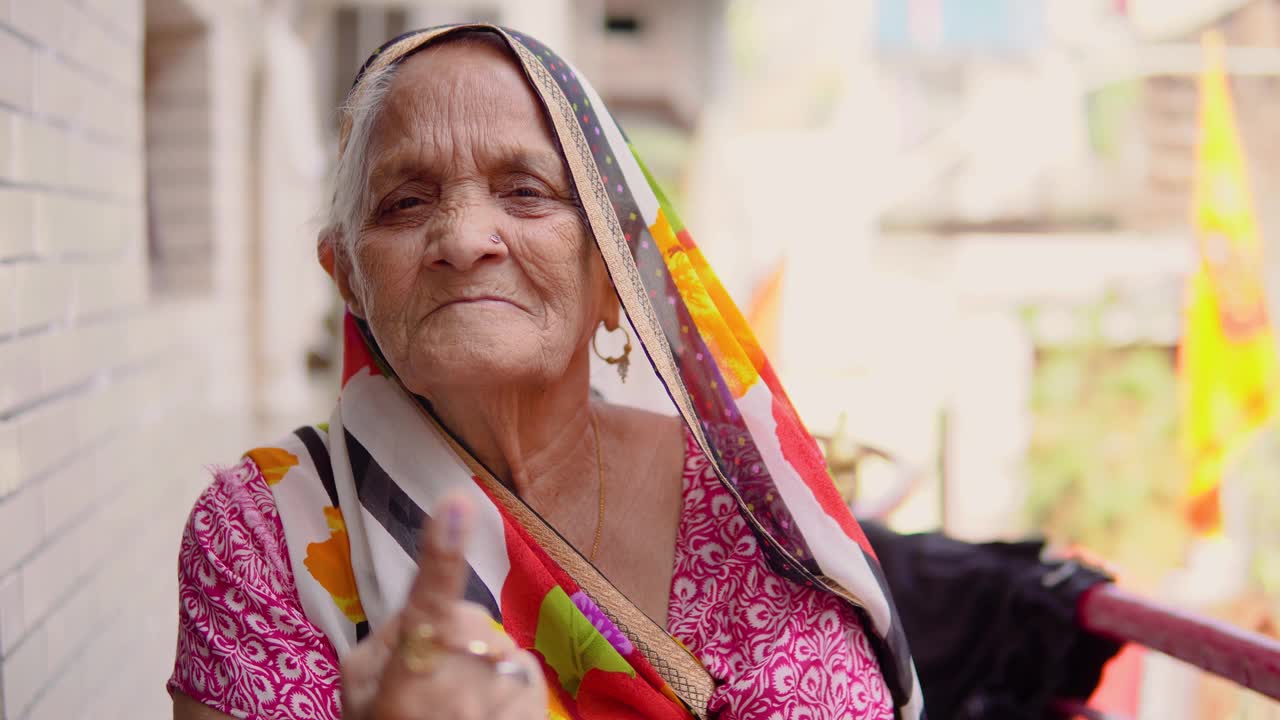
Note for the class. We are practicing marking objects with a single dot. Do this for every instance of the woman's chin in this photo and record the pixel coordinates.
(477, 364)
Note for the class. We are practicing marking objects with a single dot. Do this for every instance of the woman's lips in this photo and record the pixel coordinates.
(475, 300)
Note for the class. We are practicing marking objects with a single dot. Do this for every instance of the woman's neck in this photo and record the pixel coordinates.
(529, 437)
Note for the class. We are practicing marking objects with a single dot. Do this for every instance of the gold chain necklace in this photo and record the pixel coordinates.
(595, 544)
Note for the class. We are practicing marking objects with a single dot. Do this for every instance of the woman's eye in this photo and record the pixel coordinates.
(405, 203)
(526, 192)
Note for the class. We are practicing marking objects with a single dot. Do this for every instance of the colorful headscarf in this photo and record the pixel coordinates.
(359, 552)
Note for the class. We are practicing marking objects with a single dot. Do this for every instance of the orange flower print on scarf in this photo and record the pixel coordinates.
(329, 562)
(272, 462)
(735, 364)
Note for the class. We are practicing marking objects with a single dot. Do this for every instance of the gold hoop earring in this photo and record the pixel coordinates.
(623, 361)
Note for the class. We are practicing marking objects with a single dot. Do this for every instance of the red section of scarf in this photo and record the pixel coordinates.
(602, 694)
(355, 353)
(800, 449)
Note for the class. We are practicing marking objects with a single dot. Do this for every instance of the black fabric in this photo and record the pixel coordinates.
(319, 452)
(992, 628)
(401, 517)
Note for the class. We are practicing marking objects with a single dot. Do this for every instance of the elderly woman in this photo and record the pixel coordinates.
(577, 559)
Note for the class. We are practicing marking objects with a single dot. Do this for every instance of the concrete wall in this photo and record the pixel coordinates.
(661, 69)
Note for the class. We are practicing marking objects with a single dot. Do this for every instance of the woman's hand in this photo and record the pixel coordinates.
(440, 656)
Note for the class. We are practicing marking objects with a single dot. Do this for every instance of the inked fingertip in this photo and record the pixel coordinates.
(454, 520)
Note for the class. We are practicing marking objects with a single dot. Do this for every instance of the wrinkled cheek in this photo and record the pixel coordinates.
(389, 277)
(386, 308)
(566, 303)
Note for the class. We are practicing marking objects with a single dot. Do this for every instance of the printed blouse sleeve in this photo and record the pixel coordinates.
(245, 645)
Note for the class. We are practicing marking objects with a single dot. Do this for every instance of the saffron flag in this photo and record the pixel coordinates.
(764, 311)
(1227, 357)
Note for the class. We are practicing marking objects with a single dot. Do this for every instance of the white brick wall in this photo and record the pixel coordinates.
(15, 84)
(107, 407)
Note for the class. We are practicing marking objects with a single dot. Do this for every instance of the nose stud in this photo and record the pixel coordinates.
(495, 239)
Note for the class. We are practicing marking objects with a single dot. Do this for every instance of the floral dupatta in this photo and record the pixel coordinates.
(352, 494)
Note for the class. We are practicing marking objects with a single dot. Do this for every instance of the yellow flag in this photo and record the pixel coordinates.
(1227, 358)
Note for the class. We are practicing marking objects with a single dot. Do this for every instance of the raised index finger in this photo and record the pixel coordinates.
(442, 567)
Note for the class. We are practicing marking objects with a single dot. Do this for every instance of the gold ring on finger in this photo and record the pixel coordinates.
(421, 647)
(481, 650)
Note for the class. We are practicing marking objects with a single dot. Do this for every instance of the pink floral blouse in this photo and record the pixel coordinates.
(247, 649)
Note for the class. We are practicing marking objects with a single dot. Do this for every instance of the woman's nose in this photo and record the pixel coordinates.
(468, 237)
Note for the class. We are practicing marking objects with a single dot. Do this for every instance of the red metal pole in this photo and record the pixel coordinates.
(1246, 658)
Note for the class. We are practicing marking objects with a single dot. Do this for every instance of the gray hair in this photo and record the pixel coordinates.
(361, 110)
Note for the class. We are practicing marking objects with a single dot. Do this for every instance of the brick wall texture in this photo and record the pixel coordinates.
(104, 426)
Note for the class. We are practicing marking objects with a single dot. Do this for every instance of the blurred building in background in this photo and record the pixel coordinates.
(962, 226)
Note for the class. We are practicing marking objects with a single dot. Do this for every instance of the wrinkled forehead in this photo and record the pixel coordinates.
(460, 97)
(457, 77)
(482, 38)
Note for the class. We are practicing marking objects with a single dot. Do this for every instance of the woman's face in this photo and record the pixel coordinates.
(462, 152)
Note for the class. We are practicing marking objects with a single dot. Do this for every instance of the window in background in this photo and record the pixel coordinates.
(623, 24)
(178, 120)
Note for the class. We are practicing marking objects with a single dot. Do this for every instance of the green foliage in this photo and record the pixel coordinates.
(1102, 467)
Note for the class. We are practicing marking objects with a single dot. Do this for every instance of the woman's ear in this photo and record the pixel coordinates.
(612, 311)
(610, 308)
(335, 261)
